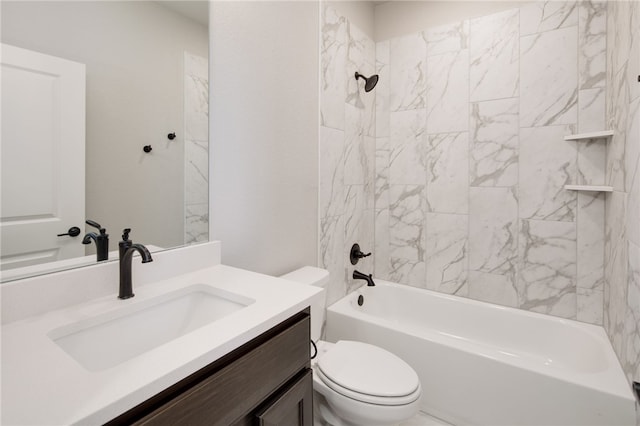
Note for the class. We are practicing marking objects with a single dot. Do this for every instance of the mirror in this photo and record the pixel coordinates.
(137, 75)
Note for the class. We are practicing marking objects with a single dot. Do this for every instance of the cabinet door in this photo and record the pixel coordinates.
(293, 407)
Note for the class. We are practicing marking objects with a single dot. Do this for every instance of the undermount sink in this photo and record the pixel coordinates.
(106, 340)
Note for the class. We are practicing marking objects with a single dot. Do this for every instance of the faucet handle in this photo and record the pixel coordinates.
(95, 225)
(125, 234)
(355, 255)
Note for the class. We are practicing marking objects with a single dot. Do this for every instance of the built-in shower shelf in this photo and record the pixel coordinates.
(590, 188)
(591, 135)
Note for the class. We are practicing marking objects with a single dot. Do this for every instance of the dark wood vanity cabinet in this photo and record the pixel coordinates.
(267, 381)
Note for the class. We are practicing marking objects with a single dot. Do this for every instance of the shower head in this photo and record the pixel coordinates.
(369, 83)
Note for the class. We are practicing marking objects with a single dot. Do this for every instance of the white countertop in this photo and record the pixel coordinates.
(42, 384)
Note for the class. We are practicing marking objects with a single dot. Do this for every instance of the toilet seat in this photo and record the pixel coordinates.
(368, 374)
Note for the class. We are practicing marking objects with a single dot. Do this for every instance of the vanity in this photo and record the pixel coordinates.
(199, 343)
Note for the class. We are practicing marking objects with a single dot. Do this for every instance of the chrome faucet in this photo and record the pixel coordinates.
(127, 249)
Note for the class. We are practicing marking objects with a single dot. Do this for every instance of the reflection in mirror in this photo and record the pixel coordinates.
(86, 86)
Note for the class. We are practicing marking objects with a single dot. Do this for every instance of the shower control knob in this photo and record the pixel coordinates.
(356, 254)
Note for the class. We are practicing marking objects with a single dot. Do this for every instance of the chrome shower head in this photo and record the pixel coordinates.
(369, 83)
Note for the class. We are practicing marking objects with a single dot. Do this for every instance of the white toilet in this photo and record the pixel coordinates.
(358, 383)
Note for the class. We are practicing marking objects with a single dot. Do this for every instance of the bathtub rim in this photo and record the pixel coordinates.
(610, 380)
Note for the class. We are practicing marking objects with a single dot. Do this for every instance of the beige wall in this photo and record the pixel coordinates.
(134, 53)
(264, 133)
(397, 18)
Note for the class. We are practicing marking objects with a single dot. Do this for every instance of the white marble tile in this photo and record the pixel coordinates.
(196, 108)
(591, 110)
(631, 357)
(197, 223)
(494, 56)
(590, 241)
(550, 164)
(446, 252)
(331, 255)
(407, 147)
(381, 255)
(493, 288)
(411, 272)
(493, 231)
(547, 272)
(633, 63)
(448, 92)
(333, 61)
(382, 89)
(548, 78)
(407, 222)
(592, 39)
(617, 113)
(448, 173)
(407, 66)
(382, 180)
(447, 38)
(591, 161)
(196, 65)
(632, 153)
(369, 153)
(331, 170)
(196, 172)
(355, 161)
(590, 306)
(358, 223)
(633, 207)
(542, 16)
(494, 143)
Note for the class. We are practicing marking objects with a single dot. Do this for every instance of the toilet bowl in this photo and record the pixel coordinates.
(357, 384)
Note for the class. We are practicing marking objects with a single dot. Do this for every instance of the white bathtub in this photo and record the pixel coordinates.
(483, 364)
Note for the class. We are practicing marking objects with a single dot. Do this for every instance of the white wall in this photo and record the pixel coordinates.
(264, 133)
(134, 98)
(397, 18)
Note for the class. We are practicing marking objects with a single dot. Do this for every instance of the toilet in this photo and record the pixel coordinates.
(358, 384)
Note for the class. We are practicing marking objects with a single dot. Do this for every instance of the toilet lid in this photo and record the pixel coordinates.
(368, 370)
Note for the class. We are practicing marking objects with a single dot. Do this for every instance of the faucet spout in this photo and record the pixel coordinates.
(360, 276)
(126, 284)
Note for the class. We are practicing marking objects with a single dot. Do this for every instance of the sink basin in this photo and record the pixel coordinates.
(106, 340)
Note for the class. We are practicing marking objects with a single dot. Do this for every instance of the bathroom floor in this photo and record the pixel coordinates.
(423, 419)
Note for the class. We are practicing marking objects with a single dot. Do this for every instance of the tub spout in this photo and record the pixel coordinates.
(360, 276)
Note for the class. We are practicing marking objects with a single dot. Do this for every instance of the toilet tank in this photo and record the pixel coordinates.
(309, 275)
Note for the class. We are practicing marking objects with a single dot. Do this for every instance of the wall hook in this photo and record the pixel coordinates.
(171, 136)
(147, 148)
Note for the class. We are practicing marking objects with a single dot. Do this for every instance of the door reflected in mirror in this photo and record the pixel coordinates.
(86, 87)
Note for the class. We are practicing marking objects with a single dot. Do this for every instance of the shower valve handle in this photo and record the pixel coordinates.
(356, 254)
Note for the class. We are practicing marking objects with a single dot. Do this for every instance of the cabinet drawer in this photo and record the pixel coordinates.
(232, 387)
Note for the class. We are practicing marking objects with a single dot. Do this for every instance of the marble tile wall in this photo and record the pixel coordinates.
(347, 150)
(470, 160)
(196, 145)
(622, 225)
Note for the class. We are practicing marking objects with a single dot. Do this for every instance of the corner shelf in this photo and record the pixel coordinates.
(590, 188)
(591, 135)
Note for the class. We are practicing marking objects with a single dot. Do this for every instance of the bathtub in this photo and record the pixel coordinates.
(483, 364)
